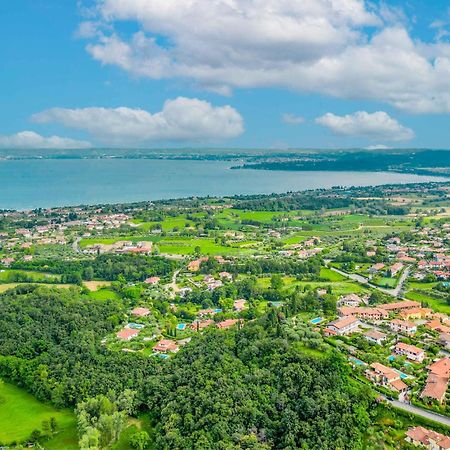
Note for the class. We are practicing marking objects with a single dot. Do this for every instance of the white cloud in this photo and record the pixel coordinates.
(182, 119)
(292, 119)
(30, 139)
(310, 45)
(378, 126)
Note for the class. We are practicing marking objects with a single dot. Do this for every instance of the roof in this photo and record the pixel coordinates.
(440, 367)
(374, 334)
(127, 333)
(398, 385)
(142, 312)
(387, 372)
(436, 387)
(399, 305)
(344, 322)
(422, 435)
(166, 345)
(409, 348)
(227, 323)
(403, 323)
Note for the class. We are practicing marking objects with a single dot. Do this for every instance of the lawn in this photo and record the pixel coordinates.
(438, 305)
(104, 294)
(331, 275)
(21, 413)
(187, 246)
(96, 285)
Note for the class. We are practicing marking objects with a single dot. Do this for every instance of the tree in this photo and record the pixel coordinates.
(276, 282)
(140, 440)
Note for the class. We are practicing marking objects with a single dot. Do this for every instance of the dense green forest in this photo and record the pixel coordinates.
(266, 385)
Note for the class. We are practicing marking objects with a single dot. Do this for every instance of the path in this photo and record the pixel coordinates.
(76, 246)
(395, 292)
(173, 284)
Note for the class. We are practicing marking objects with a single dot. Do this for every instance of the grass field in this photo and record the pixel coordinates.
(104, 294)
(21, 413)
(5, 287)
(438, 305)
(96, 285)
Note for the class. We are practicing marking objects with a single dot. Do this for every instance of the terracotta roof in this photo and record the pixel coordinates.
(344, 322)
(440, 367)
(141, 312)
(127, 333)
(398, 385)
(409, 348)
(399, 305)
(422, 435)
(436, 387)
(166, 345)
(227, 323)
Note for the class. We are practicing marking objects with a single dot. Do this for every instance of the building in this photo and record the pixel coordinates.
(399, 306)
(410, 351)
(198, 325)
(437, 380)
(387, 377)
(152, 280)
(127, 334)
(375, 337)
(166, 345)
(140, 312)
(395, 269)
(227, 323)
(364, 313)
(352, 300)
(402, 326)
(342, 326)
(421, 437)
(240, 305)
(415, 313)
(376, 268)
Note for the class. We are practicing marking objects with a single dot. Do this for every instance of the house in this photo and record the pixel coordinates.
(444, 340)
(376, 268)
(398, 306)
(140, 312)
(152, 280)
(194, 266)
(240, 305)
(227, 323)
(410, 351)
(226, 276)
(421, 437)
(127, 334)
(198, 325)
(166, 345)
(375, 337)
(437, 380)
(436, 325)
(386, 376)
(403, 326)
(416, 313)
(342, 326)
(350, 300)
(395, 269)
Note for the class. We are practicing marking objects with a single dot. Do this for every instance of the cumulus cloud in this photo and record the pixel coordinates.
(30, 139)
(292, 119)
(181, 119)
(342, 48)
(377, 125)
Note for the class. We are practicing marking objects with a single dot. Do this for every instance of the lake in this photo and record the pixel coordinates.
(28, 184)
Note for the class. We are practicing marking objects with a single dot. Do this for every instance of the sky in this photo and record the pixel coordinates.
(224, 73)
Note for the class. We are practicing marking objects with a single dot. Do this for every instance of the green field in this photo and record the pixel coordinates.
(21, 414)
(438, 305)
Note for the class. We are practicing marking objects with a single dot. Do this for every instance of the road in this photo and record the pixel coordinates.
(363, 280)
(173, 284)
(76, 246)
(420, 412)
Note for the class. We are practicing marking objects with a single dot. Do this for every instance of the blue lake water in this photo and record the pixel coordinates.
(43, 183)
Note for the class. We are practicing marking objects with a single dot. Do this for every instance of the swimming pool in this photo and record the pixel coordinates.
(316, 321)
(357, 361)
(181, 326)
(135, 326)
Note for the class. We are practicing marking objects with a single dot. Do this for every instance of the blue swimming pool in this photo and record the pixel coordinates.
(357, 361)
(316, 320)
(135, 326)
(181, 326)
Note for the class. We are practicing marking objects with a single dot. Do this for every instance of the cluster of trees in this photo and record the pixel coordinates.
(50, 343)
(105, 267)
(289, 266)
(256, 388)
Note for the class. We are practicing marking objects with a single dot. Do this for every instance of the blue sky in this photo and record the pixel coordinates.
(263, 73)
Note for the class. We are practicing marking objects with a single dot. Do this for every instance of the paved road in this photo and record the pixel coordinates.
(363, 280)
(173, 284)
(421, 412)
(76, 246)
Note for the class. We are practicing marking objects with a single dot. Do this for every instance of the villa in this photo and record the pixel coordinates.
(166, 345)
(140, 312)
(410, 351)
(342, 326)
(421, 437)
(403, 326)
(437, 381)
(387, 377)
(375, 337)
(126, 334)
